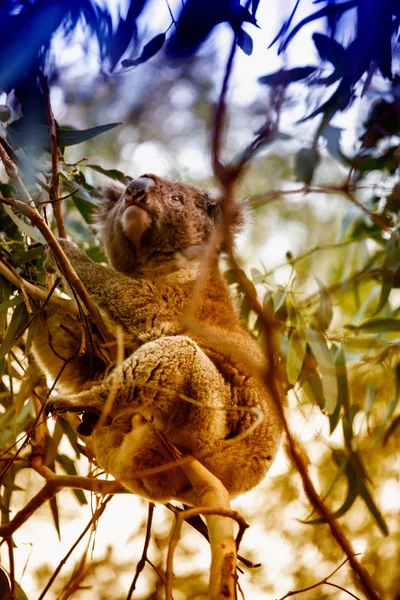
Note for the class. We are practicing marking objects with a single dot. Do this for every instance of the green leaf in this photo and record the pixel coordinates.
(71, 435)
(296, 350)
(312, 386)
(327, 369)
(377, 326)
(111, 173)
(369, 398)
(390, 266)
(391, 429)
(85, 208)
(30, 231)
(18, 321)
(389, 412)
(343, 384)
(30, 336)
(256, 275)
(324, 314)
(372, 507)
(5, 293)
(56, 515)
(96, 254)
(4, 306)
(351, 494)
(69, 467)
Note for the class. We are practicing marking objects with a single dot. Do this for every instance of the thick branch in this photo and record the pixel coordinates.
(271, 377)
(213, 499)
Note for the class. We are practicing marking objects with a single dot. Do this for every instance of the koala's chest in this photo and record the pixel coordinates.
(148, 314)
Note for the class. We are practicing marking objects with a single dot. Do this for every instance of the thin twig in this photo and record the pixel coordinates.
(142, 562)
(96, 516)
(323, 581)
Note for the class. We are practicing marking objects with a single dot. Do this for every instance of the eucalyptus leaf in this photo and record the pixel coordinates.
(327, 369)
(378, 326)
(18, 322)
(32, 232)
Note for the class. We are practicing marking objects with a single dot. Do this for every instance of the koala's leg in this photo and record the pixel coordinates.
(152, 404)
(171, 382)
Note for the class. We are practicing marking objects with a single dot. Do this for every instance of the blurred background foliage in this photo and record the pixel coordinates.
(328, 269)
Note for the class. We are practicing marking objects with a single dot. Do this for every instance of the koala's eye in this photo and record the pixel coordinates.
(177, 199)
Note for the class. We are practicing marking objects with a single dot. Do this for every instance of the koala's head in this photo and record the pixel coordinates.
(155, 219)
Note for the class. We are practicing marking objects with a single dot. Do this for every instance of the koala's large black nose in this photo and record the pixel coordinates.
(139, 186)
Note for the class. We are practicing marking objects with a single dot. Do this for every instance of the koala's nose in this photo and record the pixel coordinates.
(138, 187)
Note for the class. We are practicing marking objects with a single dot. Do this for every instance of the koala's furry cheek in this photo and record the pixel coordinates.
(135, 222)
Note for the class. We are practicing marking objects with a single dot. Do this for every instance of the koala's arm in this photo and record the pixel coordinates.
(131, 303)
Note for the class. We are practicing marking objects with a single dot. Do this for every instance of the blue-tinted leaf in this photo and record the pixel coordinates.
(149, 50)
(324, 12)
(37, 135)
(306, 161)
(286, 76)
(332, 135)
(254, 6)
(245, 42)
(285, 25)
(196, 21)
(329, 49)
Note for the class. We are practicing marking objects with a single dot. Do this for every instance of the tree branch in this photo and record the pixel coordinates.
(54, 188)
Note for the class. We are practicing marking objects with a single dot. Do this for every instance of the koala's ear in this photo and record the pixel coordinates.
(211, 203)
(106, 197)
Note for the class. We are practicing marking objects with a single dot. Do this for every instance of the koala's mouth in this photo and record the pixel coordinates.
(136, 220)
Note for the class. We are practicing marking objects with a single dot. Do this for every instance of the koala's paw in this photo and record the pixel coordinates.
(50, 265)
(63, 404)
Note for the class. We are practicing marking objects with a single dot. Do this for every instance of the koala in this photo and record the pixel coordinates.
(191, 376)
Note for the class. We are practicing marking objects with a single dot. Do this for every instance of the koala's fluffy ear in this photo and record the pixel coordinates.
(213, 207)
(107, 196)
